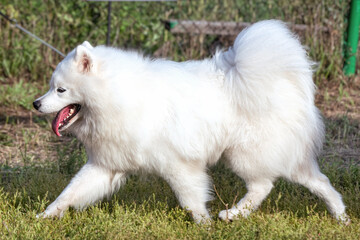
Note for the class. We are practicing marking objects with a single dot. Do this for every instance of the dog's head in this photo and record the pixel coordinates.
(65, 96)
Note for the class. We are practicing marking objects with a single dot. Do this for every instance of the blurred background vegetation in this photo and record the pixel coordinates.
(138, 25)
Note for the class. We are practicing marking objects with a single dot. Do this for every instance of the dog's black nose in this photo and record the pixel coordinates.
(37, 104)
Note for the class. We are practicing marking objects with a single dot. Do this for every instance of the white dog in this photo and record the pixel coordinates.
(253, 104)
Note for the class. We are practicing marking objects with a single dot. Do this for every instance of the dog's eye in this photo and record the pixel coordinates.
(60, 90)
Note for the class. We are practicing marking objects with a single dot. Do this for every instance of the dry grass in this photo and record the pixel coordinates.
(339, 100)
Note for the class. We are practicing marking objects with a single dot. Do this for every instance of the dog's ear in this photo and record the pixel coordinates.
(87, 44)
(84, 59)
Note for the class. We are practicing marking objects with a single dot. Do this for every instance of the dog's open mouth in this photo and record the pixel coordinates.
(65, 117)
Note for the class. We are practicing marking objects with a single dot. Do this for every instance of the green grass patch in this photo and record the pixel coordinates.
(147, 209)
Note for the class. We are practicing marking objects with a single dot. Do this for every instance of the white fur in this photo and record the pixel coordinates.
(254, 104)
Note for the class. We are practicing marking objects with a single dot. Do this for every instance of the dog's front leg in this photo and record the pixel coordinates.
(91, 184)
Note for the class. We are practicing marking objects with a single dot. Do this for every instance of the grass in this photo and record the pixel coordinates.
(155, 220)
(148, 210)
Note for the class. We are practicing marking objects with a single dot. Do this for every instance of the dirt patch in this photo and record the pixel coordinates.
(336, 101)
(26, 138)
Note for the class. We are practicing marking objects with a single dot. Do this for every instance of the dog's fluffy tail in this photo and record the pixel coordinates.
(264, 55)
(268, 74)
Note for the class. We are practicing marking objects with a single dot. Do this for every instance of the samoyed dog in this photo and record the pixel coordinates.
(252, 106)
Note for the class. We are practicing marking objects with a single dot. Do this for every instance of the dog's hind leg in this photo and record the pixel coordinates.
(310, 177)
(91, 184)
(257, 191)
(258, 181)
(191, 186)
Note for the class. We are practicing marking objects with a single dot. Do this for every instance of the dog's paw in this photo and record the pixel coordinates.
(203, 219)
(42, 215)
(50, 212)
(228, 215)
(344, 219)
(234, 213)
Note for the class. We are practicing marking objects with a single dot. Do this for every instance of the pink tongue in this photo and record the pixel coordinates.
(61, 115)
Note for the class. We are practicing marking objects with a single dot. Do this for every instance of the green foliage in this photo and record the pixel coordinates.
(65, 24)
(18, 94)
